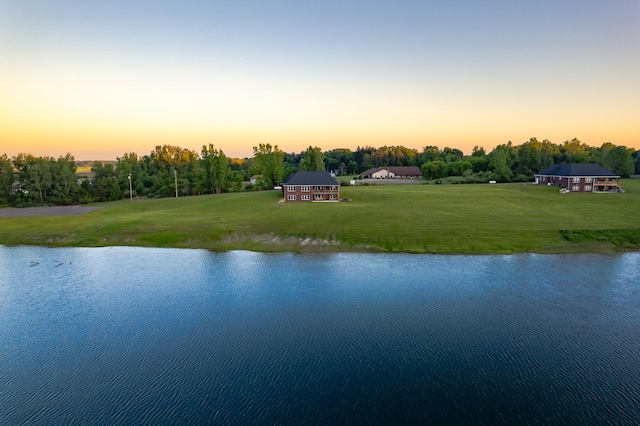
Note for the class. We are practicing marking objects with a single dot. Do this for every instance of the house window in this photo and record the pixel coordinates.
(306, 188)
(318, 197)
(576, 180)
(588, 180)
(332, 196)
(291, 197)
(291, 188)
(305, 197)
(575, 188)
(588, 188)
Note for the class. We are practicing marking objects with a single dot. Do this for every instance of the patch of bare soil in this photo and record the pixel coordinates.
(303, 244)
(272, 239)
(45, 211)
(273, 242)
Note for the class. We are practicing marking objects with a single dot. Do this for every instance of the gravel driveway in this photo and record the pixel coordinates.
(45, 211)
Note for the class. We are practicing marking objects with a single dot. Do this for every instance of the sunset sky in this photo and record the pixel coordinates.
(101, 78)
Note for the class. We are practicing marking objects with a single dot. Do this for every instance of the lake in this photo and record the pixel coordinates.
(124, 335)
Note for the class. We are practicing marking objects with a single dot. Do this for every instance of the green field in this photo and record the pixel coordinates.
(83, 169)
(501, 218)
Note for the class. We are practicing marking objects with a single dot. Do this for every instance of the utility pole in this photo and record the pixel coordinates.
(175, 177)
(130, 189)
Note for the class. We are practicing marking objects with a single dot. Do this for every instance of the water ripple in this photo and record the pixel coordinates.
(153, 336)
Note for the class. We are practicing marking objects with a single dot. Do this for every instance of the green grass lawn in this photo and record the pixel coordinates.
(501, 218)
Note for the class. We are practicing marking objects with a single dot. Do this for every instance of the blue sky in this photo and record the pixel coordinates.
(99, 79)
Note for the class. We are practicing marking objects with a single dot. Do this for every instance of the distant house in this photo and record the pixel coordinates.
(390, 172)
(311, 186)
(579, 177)
(254, 179)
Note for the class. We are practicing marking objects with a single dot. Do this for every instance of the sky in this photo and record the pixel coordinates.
(102, 78)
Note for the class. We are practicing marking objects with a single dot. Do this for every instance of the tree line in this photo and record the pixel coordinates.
(505, 163)
(169, 170)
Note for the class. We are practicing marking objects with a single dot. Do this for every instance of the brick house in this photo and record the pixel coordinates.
(311, 186)
(579, 177)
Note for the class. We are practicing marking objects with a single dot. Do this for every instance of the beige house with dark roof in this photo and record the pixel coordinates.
(390, 172)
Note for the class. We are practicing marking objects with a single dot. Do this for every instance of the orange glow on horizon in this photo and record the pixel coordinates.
(106, 115)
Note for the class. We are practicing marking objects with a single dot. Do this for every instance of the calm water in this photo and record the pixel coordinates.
(130, 335)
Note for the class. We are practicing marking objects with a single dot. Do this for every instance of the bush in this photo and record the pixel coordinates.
(522, 178)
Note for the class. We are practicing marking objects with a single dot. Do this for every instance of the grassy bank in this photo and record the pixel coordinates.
(503, 218)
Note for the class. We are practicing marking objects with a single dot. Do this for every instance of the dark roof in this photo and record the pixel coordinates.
(370, 171)
(577, 169)
(396, 170)
(405, 170)
(310, 178)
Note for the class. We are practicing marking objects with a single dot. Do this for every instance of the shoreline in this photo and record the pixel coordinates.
(306, 246)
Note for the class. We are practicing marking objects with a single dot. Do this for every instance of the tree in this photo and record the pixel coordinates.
(457, 168)
(115, 192)
(549, 153)
(242, 166)
(368, 162)
(478, 159)
(312, 160)
(434, 169)
(353, 167)
(479, 164)
(6, 179)
(409, 156)
(500, 163)
(334, 157)
(163, 161)
(104, 184)
(237, 178)
(34, 175)
(478, 151)
(217, 169)
(574, 151)
(131, 164)
(430, 153)
(359, 156)
(269, 162)
(449, 155)
(39, 177)
(620, 161)
(65, 181)
(529, 158)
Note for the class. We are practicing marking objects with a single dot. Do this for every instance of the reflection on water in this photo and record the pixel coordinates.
(131, 335)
